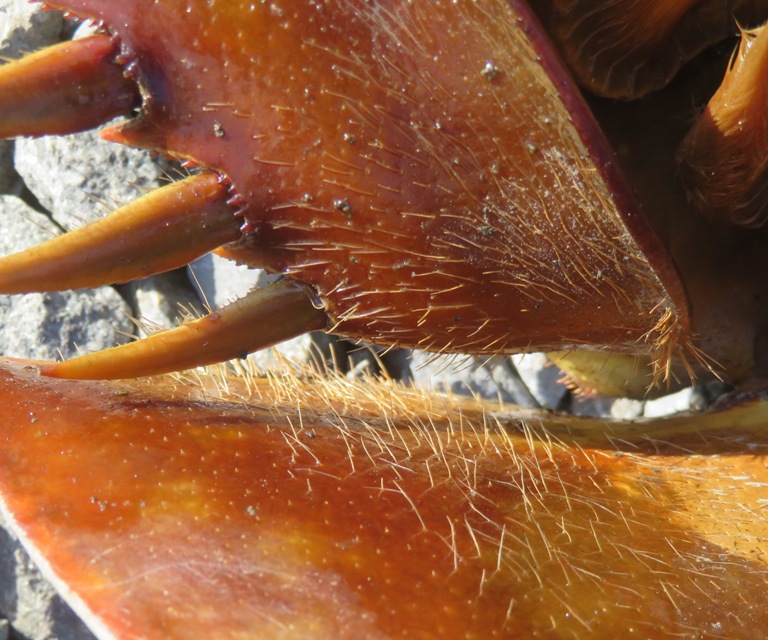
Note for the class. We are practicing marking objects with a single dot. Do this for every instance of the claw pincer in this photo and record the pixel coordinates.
(426, 170)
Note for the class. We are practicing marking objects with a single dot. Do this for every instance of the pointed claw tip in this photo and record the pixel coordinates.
(139, 132)
(263, 318)
(49, 369)
(112, 133)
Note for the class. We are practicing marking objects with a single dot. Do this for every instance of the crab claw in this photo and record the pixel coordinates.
(264, 317)
(429, 202)
(164, 230)
(65, 88)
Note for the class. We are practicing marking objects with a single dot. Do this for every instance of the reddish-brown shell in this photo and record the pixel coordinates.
(427, 167)
(171, 518)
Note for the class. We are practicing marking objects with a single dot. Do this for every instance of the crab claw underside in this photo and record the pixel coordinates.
(86, 83)
(76, 86)
(295, 217)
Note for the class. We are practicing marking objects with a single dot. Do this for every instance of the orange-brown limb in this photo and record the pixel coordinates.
(630, 48)
(164, 230)
(723, 158)
(65, 88)
(264, 317)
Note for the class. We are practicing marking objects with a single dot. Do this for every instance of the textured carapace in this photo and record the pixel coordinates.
(426, 167)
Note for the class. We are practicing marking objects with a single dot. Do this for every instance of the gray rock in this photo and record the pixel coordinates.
(528, 380)
(25, 27)
(10, 181)
(462, 375)
(542, 378)
(80, 178)
(157, 302)
(591, 406)
(43, 325)
(62, 325)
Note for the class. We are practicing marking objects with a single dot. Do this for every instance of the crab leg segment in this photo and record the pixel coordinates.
(63, 89)
(264, 317)
(723, 158)
(627, 49)
(164, 230)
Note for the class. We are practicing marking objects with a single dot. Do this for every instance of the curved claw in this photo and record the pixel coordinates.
(264, 317)
(65, 88)
(164, 230)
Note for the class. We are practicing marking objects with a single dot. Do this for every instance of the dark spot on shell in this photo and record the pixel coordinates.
(343, 205)
(490, 71)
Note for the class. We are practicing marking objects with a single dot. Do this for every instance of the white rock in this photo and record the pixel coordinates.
(627, 409)
(221, 281)
(23, 28)
(667, 405)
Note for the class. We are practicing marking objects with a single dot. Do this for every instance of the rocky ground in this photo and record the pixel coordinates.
(51, 185)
